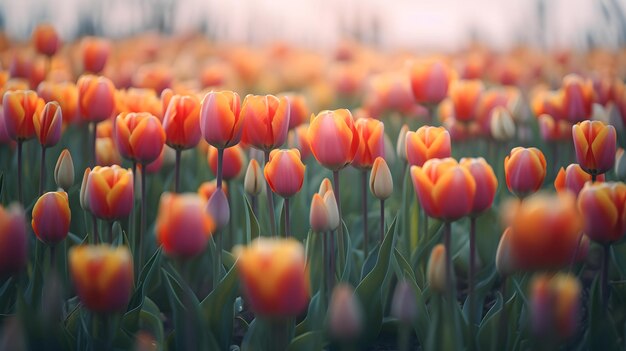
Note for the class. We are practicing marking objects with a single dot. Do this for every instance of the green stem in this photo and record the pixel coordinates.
(382, 221)
(364, 206)
(20, 195)
(448, 246)
(142, 223)
(287, 222)
(177, 171)
(42, 170)
(471, 281)
(270, 200)
(404, 337)
(605, 276)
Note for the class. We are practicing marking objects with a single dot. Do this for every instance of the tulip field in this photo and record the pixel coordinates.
(178, 193)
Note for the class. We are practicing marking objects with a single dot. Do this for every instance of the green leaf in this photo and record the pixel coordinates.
(492, 333)
(219, 310)
(252, 224)
(315, 316)
(131, 318)
(602, 334)
(310, 341)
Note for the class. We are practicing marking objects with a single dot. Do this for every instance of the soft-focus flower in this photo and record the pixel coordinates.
(620, 164)
(554, 129)
(183, 226)
(84, 200)
(234, 160)
(345, 315)
(436, 272)
(64, 170)
(524, 169)
(404, 303)
(334, 221)
(573, 178)
(221, 120)
(298, 139)
(218, 208)
(318, 215)
(180, 122)
(285, 172)
(253, 181)
(401, 143)
(96, 52)
(489, 102)
(106, 152)
(334, 139)
(502, 125)
(103, 276)
(267, 121)
(429, 81)
(13, 240)
(577, 98)
(371, 142)
(381, 181)
(486, 183)
(298, 109)
(465, 95)
(139, 136)
(595, 144)
(51, 217)
(21, 108)
(65, 94)
(206, 189)
(109, 192)
(603, 208)
(46, 39)
(555, 305)
(427, 143)
(444, 188)
(274, 276)
(504, 262)
(48, 124)
(325, 186)
(140, 100)
(96, 97)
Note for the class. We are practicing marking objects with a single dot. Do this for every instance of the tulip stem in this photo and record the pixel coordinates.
(142, 225)
(270, 199)
(382, 221)
(325, 285)
(93, 142)
(578, 242)
(404, 337)
(331, 251)
(217, 271)
(110, 228)
(220, 163)
(340, 229)
(605, 276)
(364, 200)
(177, 171)
(94, 224)
(448, 245)
(42, 170)
(287, 222)
(20, 196)
(53, 257)
(231, 230)
(471, 278)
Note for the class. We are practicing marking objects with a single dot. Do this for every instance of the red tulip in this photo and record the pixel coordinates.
(486, 183)
(181, 120)
(46, 39)
(595, 145)
(221, 120)
(51, 217)
(573, 178)
(20, 109)
(267, 121)
(65, 94)
(603, 207)
(139, 137)
(333, 138)
(430, 80)
(427, 143)
(96, 52)
(298, 110)
(578, 98)
(234, 160)
(96, 98)
(285, 172)
(48, 124)
(371, 142)
(109, 192)
(524, 170)
(465, 95)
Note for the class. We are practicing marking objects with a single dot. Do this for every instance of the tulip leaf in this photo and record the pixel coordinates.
(152, 324)
(602, 334)
(492, 333)
(252, 224)
(131, 318)
(218, 308)
(310, 341)
(315, 315)
(370, 261)
(443, 331)
(346, 253)
(314, 259)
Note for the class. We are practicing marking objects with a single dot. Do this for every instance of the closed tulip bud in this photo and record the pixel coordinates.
(334, 221)
(525, 170)
(429, 81)
(207, 189)
(318, 216)
(436, 273)
(64, 170)
(84, 200)
(553, 130)
(21, 108)
(595, 144)
(13, 240)
(486, 183)
(217, 207)
(274, 276)
(381, 181)
(505, 265)
(573, 178)
(325, 186)
(620, 164)
(502, 124)
(51, 217)
(404, 303)
(221, 120)
(48, 124)
(139, 136)
(96, 96)
(371, 142)
(267, 121)
(285, 172)
(465, 95)
(234, 159)
(577, 98)
(298, 110)
(253, 182)
(401, 144)
(183, 227)
(46, 39)
(603, 208)
(334, 139)
(444, 188)
(427, 143)
(96, 52)
(345, 314)
(555, 305)
(180, 122)
(103, 276)
(109, 192)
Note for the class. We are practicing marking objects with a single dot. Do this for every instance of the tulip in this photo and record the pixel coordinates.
(371, 142)
(603, 208)
(96, 52)
(555, 305)
(525, 170)
(427, 143)
(620, 164)
(84, 201)
(13, 240)
(429, 81)
(51, 217)
(96, 98)
(221, 122)
(436, 272)
(334, 220)
(65, 94)
(595, 145)
(180, 122)
(345, 314)
(334, 139)
(64, 170)
(325, 186)
(403, 303)
(48, 129)
(207, 189)
(298, 110)
(401, 143)
(502, 126)
(253, 180)
(577, 98)
(465, 95)
(46, 39)
(21, 108)
(504, 262)
(318, 216)
(298, 139)
(284, 174)
(103, 276)
(139, 137)
(109, 192)
(267, 121)
(183, 227)
(217, 206)
(553, 130)
(106, 152)
(274, 276)
(486, 183)
(573, 178)
(381, 182)
(233, 161)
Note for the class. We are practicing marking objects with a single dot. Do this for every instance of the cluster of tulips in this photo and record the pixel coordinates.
(261, 234)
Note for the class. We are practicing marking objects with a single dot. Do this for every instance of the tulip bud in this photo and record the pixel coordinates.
(48, 124)
(381, 182)
(218, 208)
(13, 240)
(207, 189)
(620, 164)
(555, 305)
(51, 217)
(325, 186)
(110, 191)
(84, 203)
(233, 161)
(595, 145)
(64, 170)
(333, 210)
(427, 143)
(345, 315)
(371, 142)
(524, 170)
(46, 39)
(253, 182)
(334, 138)
(401, 144)
(603, 208)
(502, 124)
(221, 120)
(403, 304)
(437, 269)
(284, 172)
(96, 98)
(318, 217)
(505, 264)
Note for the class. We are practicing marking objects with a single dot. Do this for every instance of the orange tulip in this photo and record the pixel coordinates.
(155, 76)
(486, 183)
(180, 122)
(106, 152)
(183, 227)
(267, 121)
(595, 145)
(103, 276)
(66, 94)
(465, 95)
(234, 160)
(20, 109)
(371, 142)
(48, 124)
(274, 276)
(428, 142)
(444, 188)
(525, 170)
(578, 98)
(110, 192)
(333, 138)
(603, 207)
(139, 100)
(46, 39)
(555, 305)
(96, 52)
(298, 139)
(318, 215)
(298, 110)
(573, 178)
(554, 129)
(285, 172)
(96, 98)
(221, 120)
(430, 81)
(207, 189)
(548, 103)
(51, 217)
(139, 136)
(13, 240)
